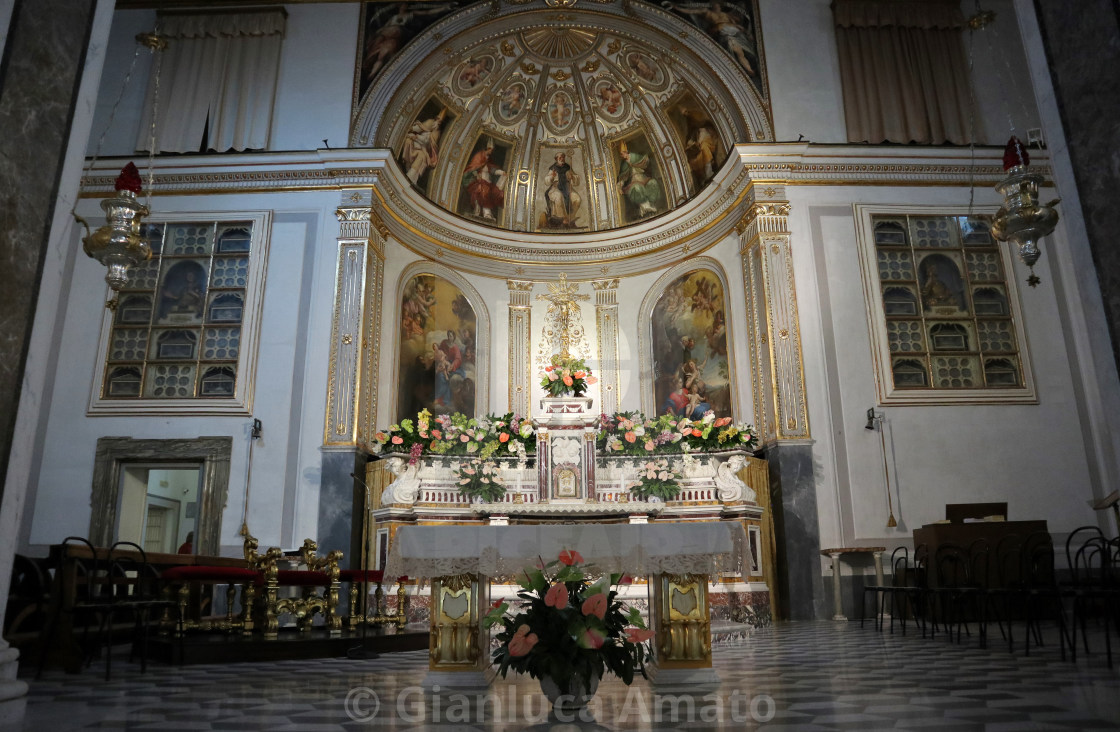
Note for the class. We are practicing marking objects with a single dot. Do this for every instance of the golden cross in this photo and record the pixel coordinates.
(563, 299)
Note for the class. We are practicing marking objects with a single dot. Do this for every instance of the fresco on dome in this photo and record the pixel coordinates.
(562, 193)
(421, 149)
(512, 102)
(733, 26)
(560, 111)
(387, 28)
(699, 137)
(482, 191)
(437, 349)
(650, 74)
(469, 77)
(640, 187)
(610, 103)
(691, 373)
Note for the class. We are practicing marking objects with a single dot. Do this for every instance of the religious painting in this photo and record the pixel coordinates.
(482, 190)
(703, 147)
(512, 102)
(437, 349)
(610, 103)
(420, 150)
(560, 111)
(559, 204)
(640, 185)
(468, 78)
(182, 293)
(691, 372)
(387, 28)
(650, 74)
(941, 285)
(734, 26)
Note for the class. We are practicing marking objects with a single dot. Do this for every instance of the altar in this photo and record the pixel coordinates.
(680, 560)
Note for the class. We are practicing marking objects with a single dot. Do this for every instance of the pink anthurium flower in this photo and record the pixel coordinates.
(637, 635)
(570, 557)
(522, 641)
(595, 605)
(557, 596)
(591, 638)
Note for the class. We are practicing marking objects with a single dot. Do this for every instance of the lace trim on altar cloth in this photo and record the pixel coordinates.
(416, 555)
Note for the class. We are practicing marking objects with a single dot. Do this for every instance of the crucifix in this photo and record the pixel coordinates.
(563, 306)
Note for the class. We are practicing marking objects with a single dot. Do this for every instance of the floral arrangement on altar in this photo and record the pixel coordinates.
(457, 434)
(565, 374)
(568, 628)
(479, 478)
(631, 433)
(656, 478)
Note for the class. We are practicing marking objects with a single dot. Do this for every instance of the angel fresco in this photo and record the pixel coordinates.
(512, 101)
(690, 348)
(388, 27)
(437, 348)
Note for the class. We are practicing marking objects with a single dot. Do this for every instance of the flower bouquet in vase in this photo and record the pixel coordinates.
(566, 375)
(656, 478)
(481, 479)
(567, 630)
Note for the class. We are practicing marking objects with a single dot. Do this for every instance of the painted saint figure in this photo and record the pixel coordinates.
(560, 201)
(421, 146)
(485, 183)
(637, 183)
(722, 25)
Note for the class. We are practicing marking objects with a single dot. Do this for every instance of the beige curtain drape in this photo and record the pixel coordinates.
(221, 68)
(903, 70)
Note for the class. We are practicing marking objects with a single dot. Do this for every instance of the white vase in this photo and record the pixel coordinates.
(577, 697)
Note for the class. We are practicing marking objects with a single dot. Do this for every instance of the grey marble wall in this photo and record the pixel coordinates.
(793, 499)
(1083, 48)
(340, 499)
(39, 75)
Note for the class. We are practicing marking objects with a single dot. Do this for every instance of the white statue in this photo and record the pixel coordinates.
(406, 487)
(565, 451)
(728, 485)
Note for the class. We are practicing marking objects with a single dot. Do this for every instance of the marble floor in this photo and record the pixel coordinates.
(792, 676)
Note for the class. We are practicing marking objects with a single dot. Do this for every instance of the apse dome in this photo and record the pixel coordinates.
(562, 121)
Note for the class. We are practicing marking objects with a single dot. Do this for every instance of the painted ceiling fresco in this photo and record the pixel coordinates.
(562, 124)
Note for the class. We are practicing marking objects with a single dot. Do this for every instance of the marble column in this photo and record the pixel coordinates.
(606, 321)
(781, 412)
(520, 331)
(1087, 89)
(48, 69)
(352, 389)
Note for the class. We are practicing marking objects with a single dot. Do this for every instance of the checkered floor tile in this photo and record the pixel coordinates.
(791, 676)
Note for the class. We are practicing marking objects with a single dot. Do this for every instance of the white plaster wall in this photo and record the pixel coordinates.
(316, 78)
(1029, 455)
(799, 40)
(286, 460)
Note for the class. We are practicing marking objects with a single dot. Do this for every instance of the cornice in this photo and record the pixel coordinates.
(752, 178)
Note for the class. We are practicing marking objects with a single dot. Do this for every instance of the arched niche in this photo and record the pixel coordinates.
(686, 341)
(441, 355)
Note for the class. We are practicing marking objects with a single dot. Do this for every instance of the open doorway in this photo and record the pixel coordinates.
(159, 507)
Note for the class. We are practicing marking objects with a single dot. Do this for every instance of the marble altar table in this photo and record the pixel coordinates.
(678, 557)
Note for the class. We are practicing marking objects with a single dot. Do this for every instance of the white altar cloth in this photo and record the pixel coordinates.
(708, 547)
